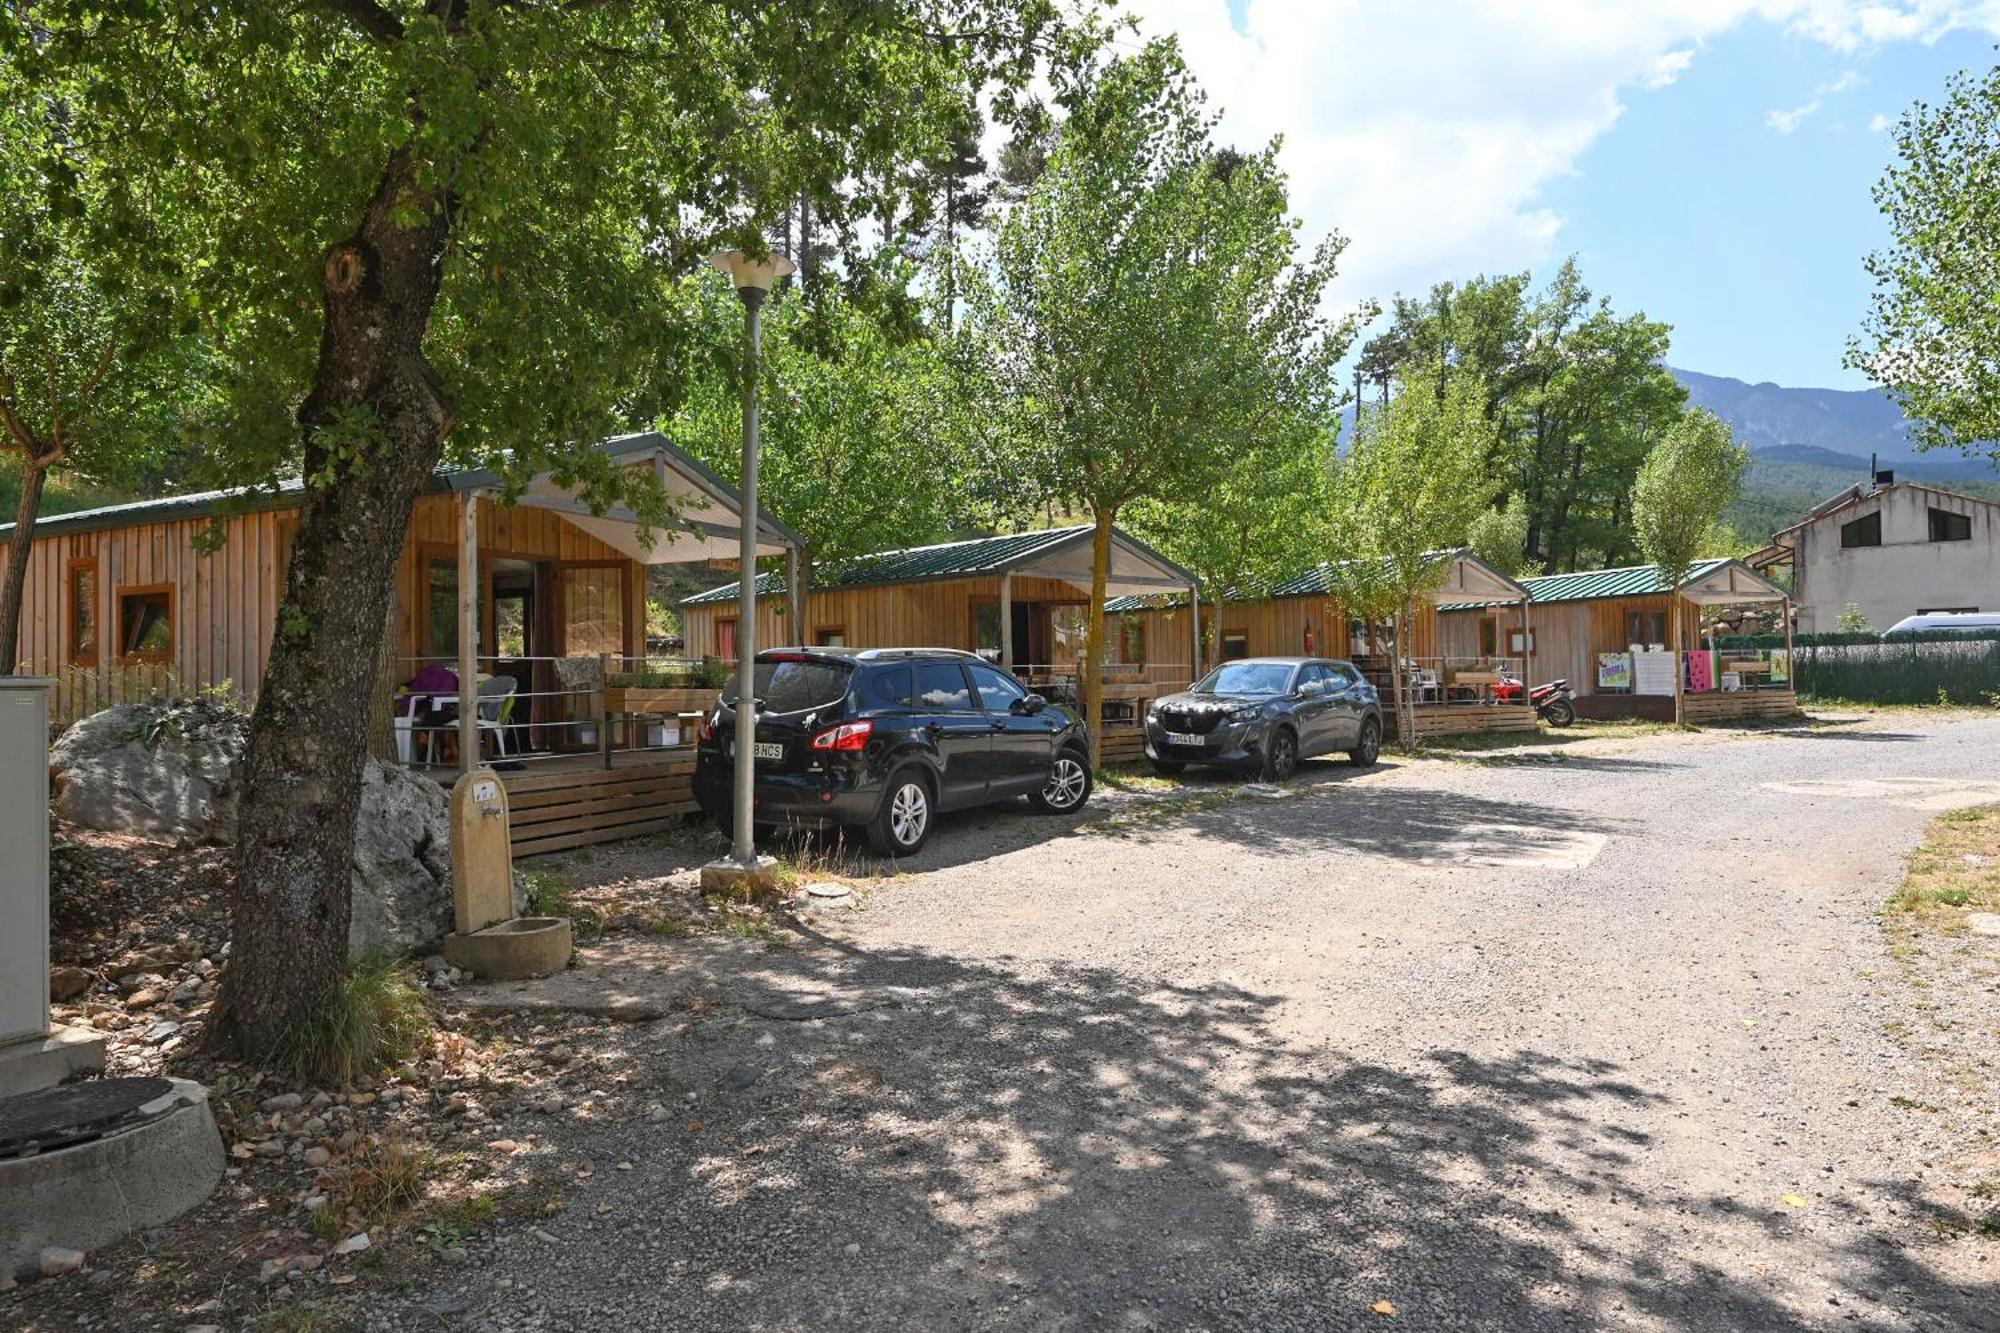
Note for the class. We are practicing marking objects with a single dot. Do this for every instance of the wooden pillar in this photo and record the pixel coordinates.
(468, 631)
(1194, 632)
(1007, 621)
(795, 595)
(1791, 658)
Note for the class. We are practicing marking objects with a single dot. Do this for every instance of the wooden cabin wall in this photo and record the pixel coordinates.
(934, 613)
(225, 601)
(1274, 627)
(518, 533)
(224, 608)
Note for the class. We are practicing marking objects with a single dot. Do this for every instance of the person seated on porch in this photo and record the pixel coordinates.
(430, 700)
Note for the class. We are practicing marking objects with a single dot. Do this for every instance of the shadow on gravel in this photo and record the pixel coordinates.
(954, 1145)
(1821, 734)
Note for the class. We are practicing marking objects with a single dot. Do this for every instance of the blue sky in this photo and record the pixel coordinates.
(1708, 161)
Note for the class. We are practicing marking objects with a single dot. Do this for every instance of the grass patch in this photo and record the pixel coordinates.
(549, 895)
(746, 923)
(382, 1179)
(1134, 777)
(375, 1019)
(1955, 870)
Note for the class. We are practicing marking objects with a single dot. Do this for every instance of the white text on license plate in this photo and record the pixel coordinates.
(1182, 738)
(768, 750)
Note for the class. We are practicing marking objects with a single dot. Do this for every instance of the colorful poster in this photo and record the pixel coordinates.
(1781, 666)
(1614, 672)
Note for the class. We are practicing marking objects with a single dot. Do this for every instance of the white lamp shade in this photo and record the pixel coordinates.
(746, 272)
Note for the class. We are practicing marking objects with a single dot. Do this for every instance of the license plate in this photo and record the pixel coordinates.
(768, 750)
(1182, 738)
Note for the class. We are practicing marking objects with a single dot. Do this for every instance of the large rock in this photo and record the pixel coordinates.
(175, 767)
(402, 863)
(171, 767)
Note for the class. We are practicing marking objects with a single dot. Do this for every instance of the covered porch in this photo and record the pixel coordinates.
(1462, 688)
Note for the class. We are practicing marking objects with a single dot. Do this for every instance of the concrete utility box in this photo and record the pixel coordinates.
(31, 1056)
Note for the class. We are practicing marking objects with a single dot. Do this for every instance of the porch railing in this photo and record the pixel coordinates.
(603, 703)
(1444, 681)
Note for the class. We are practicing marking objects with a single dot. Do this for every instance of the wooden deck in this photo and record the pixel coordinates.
(568, 801)
(1723, 706)
(1460, 719)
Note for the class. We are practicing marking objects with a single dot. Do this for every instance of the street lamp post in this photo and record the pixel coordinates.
(753, 279)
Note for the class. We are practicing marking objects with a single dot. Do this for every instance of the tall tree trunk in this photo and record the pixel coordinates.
(19, 548)
(1093, 641)
(289, 911)
(1674, 650)
(1406, 709)
(798, 581)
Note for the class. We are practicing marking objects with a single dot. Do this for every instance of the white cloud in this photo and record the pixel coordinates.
(1785, 122)
(1879, 122)
(1427, 135)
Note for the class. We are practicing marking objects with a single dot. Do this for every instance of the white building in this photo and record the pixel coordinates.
(1893, 550)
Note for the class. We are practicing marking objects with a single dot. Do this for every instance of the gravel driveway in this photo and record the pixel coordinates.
(1594, 1043)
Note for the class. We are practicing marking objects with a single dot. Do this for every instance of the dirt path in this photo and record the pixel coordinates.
(1595, 1042)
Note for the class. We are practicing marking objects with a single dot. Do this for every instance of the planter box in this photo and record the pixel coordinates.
(647, 699)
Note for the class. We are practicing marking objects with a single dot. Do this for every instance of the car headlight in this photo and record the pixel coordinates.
(1241, 713)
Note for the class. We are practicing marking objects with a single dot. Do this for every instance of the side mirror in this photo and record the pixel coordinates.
(1028, 705)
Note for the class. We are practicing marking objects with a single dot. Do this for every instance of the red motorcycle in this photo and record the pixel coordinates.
(1552, 701)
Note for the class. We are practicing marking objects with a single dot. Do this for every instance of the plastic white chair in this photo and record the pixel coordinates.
(496, 695)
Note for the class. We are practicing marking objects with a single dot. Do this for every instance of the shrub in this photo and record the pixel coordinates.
(375, 1019)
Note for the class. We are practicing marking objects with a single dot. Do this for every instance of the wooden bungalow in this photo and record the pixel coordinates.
(1303, 616)
(1605, 631)
(181, 595)
(1020, 599)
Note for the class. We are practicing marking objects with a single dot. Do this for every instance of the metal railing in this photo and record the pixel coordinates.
(1446, 681)
(568, 706)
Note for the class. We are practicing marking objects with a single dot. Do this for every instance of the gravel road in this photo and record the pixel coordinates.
(1605, 1042)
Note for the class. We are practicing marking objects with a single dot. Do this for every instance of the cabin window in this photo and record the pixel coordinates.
(1069, 627)
(593, 602)
(1643, 627)
(986, 630)
(1132, 640)
(830, 636)
(82, 624)
(146, 623)
(1865, 531)
(725, 640)
(1489, 637)
(1235, 644)
(1947, 526)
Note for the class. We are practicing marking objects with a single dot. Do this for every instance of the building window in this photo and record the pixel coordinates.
(82, 624)
(1489, 637)
(1132, 640)
(1644, 627)
(1865, 531)
(146, 623)
(1949, 527)
(725, 640)
(1235, 644)
(830, 636)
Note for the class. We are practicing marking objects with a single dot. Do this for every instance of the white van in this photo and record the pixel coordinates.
(1961, 622)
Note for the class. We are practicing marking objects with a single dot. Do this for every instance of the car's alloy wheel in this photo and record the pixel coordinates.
(909, 814)
(1370, 746)
(1067, 783)
(1283, 757)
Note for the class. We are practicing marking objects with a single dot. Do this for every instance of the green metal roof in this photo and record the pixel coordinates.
(1590, 585)
(946, 560)
(286, 494)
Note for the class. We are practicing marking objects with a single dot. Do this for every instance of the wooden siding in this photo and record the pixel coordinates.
(1273, 627)
(1568, 636)
(225, 600)
(937, 614)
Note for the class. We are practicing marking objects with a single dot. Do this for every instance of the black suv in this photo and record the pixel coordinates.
(884, 738)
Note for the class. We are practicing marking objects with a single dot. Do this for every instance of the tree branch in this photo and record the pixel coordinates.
(374, 21)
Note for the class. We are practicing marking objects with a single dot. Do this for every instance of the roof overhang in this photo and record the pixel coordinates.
(1471, 579)
(1134, 568)
(707, 512)
(1730, 584)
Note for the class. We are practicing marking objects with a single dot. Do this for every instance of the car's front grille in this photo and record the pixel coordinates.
(1189, 721)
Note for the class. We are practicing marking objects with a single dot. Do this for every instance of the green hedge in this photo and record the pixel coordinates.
(1953, 668)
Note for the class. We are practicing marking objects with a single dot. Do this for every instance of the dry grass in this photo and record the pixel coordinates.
(1955, 871)
(375, 1019)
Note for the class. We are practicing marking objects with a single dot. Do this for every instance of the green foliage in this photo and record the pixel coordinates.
(1853, 620)
(1902, 672)
(1682, 488)
(1145, 320)
(374, 1019)
(1576, 392)
(1499, 536)
(592, 156)
(1933, 335)
(1410, 489)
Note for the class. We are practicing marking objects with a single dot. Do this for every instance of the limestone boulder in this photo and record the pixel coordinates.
(402, 863)
(170, 767)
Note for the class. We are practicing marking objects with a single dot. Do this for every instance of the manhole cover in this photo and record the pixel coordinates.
(49, 1119)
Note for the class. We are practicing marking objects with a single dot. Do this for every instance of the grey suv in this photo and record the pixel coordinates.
(1267, 713)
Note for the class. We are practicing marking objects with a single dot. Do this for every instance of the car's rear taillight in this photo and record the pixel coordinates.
(846, 736)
